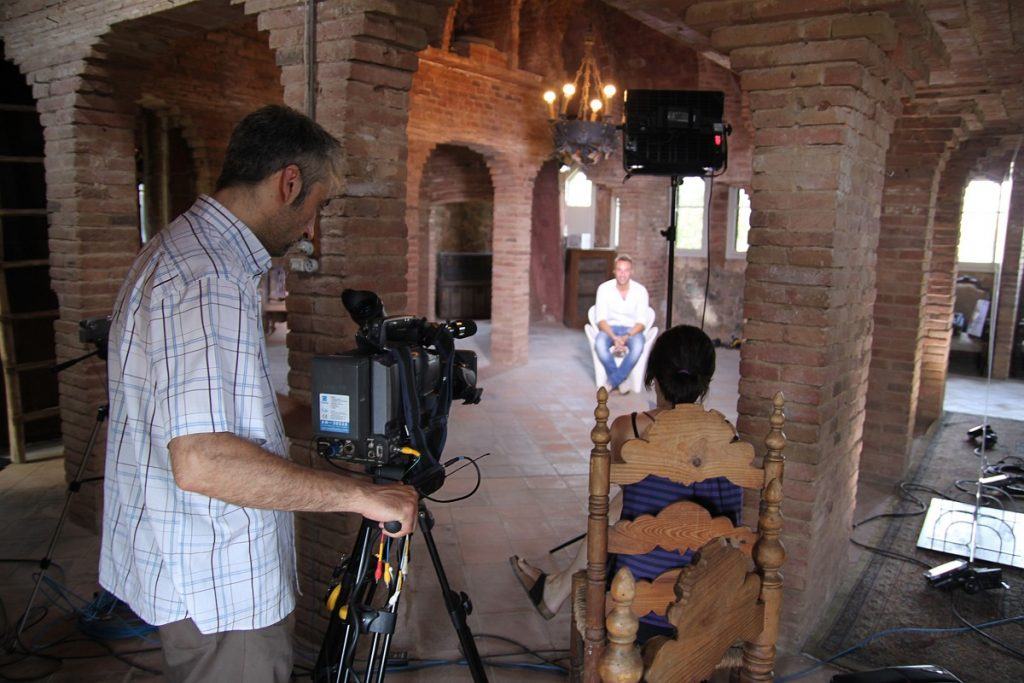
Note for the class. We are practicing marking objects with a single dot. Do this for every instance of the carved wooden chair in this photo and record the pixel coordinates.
(732, 591)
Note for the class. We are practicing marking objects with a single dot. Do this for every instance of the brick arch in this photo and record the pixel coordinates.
(90, 116)
(427, 241)
(512, 178)
(202, 164)
(976, 155)
(925, 136)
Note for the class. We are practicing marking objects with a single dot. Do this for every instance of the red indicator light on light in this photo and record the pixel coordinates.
(718, 141)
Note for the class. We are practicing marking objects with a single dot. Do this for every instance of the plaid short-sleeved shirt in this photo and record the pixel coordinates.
(187, 356)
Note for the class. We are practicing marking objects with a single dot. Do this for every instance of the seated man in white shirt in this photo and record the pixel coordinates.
(620, 310)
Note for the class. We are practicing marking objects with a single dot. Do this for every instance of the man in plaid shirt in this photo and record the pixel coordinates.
(197, 527)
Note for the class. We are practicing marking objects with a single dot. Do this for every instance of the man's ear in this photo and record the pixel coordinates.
(289, 184)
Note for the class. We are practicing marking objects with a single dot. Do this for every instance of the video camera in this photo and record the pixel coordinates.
(385, 404)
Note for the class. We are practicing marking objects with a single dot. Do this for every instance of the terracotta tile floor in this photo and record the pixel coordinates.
(534, 421)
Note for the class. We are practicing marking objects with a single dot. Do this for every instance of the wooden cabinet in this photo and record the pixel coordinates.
(585, 270)
(463, 286)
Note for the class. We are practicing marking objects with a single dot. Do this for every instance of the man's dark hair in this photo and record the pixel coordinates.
(268, 139)
(683, 362)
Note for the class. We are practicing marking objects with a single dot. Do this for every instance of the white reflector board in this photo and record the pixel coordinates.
(947, 529)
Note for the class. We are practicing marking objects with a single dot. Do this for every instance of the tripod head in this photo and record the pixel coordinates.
(95, 331)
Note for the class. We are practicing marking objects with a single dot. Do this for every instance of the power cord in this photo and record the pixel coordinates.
(479, 477)
(1009, 648)
(905, 489)
(953, 630)
(545, 664)
(97, 620)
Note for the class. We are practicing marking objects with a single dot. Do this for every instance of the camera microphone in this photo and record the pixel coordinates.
(461, 329)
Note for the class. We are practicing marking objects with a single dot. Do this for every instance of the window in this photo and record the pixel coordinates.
(616, 217)
(579, 191)
(983, 222)
(691, 219)
(738, 223)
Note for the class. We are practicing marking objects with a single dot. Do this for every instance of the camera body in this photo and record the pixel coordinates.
(386, 403)
(357, 407)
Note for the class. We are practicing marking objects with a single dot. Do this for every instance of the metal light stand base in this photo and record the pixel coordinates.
(73, 487)
(337, 653)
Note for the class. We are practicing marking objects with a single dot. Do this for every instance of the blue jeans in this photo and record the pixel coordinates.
(617, 374)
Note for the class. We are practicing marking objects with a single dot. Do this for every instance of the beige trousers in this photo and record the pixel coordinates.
(260, 656)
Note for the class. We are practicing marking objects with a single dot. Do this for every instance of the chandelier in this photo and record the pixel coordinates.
(579, 117)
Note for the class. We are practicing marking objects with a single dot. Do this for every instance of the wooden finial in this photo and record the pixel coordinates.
(597, 538)
(621, 662)
(769, 553)
(600, 434)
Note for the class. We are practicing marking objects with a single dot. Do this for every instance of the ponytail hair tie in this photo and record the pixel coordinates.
(684, 372)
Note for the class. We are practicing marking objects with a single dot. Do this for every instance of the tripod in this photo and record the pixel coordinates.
(73, 487)
(352, 614)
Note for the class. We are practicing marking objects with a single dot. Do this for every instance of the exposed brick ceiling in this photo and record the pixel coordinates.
(980, 55)
(155, 34)
(985, 41)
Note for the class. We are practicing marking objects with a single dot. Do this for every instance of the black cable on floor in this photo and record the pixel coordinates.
(988, 636)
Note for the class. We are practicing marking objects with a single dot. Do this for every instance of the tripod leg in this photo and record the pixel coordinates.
(356, 596)
(44, 564)
(339, 639)
(453, 601)
(393, 599)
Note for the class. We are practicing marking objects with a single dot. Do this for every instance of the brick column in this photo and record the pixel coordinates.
(1010, 279)
(366, 57)
(510, 279)
(419, 152)
(922, 142)
(824, 92)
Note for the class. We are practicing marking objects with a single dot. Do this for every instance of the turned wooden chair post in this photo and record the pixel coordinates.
(769, 554)
(621, 662)
(597, 541)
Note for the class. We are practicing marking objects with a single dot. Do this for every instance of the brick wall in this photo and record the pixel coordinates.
(1008, 312)
(922, 143)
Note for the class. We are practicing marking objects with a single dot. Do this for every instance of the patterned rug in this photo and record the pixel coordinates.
(890, 593)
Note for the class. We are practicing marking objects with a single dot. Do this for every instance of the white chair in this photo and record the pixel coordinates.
(635, 381)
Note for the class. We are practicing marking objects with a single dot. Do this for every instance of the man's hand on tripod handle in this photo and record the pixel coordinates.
(395, 506)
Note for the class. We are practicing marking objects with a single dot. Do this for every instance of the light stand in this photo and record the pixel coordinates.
(91, 330)
(670, 236)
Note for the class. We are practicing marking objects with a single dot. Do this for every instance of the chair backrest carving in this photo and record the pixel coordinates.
(689, 444)
(723, 596)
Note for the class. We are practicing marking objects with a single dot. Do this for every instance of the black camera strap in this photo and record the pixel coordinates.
(427, 473)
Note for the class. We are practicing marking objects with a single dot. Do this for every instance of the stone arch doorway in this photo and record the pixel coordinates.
(457, 207)
(196, 69)
(30, 424)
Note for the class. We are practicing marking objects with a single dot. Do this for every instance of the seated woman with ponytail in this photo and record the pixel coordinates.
(680, 368)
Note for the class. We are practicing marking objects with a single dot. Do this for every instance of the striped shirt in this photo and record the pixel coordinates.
(650, 496)
(187, 356)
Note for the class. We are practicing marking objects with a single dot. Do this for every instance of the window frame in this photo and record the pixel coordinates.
(1001, 230)
(732, 227)
(703, 249)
